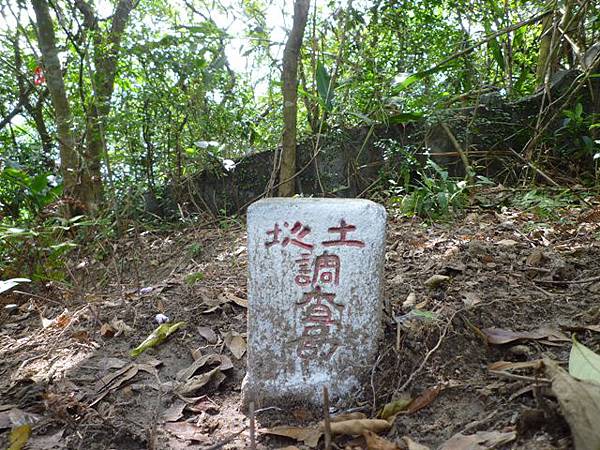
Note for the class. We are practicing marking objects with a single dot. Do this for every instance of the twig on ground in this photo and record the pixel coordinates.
(427, 356)
(585, 280)
(514, 376)
(252, 427)
(326, 420)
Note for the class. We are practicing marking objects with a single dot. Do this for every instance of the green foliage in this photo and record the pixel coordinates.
(39, 252)
(193, 278)
(434, 195)
(543, 203)
(576, 133)
(195, 250)
(23, 196)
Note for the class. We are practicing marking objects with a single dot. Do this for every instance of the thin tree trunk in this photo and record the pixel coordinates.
(289, 77)
(58, 95)
(106, 52)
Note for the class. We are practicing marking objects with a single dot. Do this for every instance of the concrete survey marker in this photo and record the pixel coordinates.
(314, 298)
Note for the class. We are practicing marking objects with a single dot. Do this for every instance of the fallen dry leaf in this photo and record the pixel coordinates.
(510, 365)
(482, 440)
(375, 442)
(407, 443)
(107, 331)
(359, 426)
(174, 412)
(187, 432)
(120, 327)
(435, 280)
(424, 399)
(507, 243)
(471, 299)
(190, 383)
(235, 343)
(348, 416)
(208, 334)
(500, 336)
(310, 436)
(580, 404)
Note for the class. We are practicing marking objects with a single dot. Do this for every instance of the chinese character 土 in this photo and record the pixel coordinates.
(293, 236)
(343, 231)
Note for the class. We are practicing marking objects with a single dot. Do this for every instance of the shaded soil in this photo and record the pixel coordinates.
(65, 363)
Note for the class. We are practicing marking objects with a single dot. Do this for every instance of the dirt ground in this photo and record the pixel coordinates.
(64, 353)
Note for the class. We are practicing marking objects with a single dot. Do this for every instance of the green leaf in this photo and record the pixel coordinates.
(39, 183)
(405, 117)
(324, 86)
(19, 436)
(159, 335)
(584, 364)
(494, 47)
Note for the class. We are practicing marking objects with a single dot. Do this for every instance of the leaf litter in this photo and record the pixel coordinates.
(441, 352)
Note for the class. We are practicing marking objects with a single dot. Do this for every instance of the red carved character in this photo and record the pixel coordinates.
(327, 269)
(319, 316)
(343, 231)
(296, 234)
(304, 272)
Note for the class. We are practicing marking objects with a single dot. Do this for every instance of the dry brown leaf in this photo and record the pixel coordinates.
(359, 426)
(482, 440)
(174, 412)
(230, 297)
(190, 383)
(435, 280)
(510, 365)
(187, 432)
(310, 436)
(348, 416)
(407, 443)
(208, 334)
(580, 404)
(375, 442)
(235, 343)
(500, 336)
(120, 327)
(424, 399)
(107, 331)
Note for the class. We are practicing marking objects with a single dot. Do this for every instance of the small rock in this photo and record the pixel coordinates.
(160, 319)
(410, 301)
(435, 280)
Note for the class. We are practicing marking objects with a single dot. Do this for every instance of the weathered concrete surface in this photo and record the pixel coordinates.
(314, 298)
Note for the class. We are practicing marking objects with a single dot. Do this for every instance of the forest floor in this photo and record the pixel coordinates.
(516, 292)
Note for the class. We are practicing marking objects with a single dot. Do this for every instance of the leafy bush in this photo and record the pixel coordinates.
(38, 253)
(22, 196)
(435, 195)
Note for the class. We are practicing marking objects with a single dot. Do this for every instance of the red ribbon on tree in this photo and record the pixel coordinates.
(38, 76)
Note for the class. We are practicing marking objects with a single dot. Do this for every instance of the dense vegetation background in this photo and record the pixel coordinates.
(107, 105)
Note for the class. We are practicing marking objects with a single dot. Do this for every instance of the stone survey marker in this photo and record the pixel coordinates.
(314, 300)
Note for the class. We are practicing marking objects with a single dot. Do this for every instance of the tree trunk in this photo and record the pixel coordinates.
(289, 78)
(106, 53)
(64, 121)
